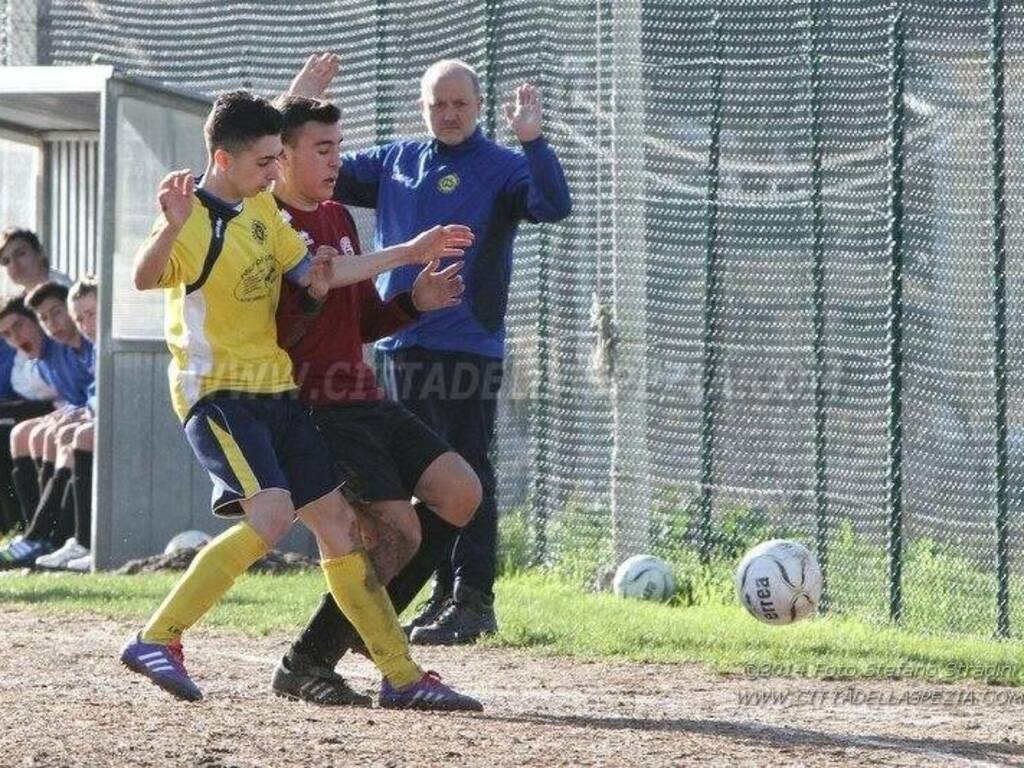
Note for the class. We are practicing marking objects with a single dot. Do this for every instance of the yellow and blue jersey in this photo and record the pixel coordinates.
(222, 282)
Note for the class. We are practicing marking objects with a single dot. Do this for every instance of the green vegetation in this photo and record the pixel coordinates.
(555, 607)
(944, 591)
(546, 613)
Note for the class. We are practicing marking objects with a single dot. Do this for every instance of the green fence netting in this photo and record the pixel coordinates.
(788, 301)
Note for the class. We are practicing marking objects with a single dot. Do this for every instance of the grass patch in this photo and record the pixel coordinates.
(549, 614)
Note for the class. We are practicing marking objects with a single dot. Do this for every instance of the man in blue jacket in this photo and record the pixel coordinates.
(446, 368)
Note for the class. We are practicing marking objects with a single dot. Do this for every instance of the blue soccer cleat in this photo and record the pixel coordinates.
(22, 553)
(162, 664)
(428, 693)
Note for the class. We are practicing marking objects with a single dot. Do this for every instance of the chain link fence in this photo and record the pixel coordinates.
(788, 301)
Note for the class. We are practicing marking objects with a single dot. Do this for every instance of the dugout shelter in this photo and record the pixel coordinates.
(82, 150)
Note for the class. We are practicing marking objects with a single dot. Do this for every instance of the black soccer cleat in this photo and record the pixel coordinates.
(467, 617)
(436, 604)
(298, 677)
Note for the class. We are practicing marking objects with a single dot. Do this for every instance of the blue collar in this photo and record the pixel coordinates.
(474, 139)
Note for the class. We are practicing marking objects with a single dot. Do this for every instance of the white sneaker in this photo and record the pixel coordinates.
(81, 564)
(71, 550)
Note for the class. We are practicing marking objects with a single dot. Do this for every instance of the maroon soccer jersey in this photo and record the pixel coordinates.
(327, 347)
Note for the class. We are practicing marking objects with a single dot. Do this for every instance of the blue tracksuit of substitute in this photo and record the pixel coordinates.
(490, 188)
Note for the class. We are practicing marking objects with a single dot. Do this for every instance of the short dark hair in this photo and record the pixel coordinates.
(9, 234)
(296, 111)
(15, 305)
(48, 290)
(239, 118)
(84, 286)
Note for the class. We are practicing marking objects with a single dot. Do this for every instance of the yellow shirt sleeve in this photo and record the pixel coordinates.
(289, 247)
(187, 254)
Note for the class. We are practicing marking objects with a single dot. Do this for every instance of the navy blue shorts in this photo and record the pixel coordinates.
(251, 443)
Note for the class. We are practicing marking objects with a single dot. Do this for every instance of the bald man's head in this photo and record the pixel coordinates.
(449, 68)
(451, 98)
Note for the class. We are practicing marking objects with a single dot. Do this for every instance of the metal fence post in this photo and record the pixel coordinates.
(707, 432)
(896, 135)
(818, 278)
(630, 471)
(997, 62)
(383, 125)
(490, 65)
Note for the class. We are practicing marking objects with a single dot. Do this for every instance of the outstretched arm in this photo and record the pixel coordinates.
(436, 243)
(175, 198)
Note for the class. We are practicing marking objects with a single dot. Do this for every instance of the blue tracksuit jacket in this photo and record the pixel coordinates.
(490, 188)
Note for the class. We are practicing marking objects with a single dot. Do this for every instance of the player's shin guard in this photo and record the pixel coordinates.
(211, 574)
(329, 633)
(46, 470)
(364, 602)
(436, 544)
(47, 522)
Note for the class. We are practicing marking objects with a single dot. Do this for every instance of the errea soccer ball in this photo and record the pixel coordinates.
(644, 577)
(779, 582)
(186, 540)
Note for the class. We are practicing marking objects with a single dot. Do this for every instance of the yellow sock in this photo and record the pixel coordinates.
(362, 599)
(211, 574)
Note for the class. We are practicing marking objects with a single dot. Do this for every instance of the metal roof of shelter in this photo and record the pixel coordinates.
(40, 99)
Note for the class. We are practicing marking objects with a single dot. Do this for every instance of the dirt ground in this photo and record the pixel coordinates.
(66, 701)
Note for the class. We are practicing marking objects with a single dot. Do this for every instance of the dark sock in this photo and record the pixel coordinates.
(438, 537)
(82, 485)
(329, 634)
(46, 470)
(26, 487)
(38, 463)
(64, 528)
(46, 524)
(10, 516)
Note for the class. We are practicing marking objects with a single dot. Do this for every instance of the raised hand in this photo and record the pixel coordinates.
(524, 116)
(439, 242)
(175, 197)
(314, 77)
(438, 288)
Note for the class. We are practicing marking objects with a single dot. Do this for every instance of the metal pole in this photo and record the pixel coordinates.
(897, 39)
(490, 65)
(999, 279)
(818, 278)
(382, 110)
(630, 489)
(711, 290)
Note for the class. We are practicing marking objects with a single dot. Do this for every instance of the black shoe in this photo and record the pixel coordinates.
(469, 616)
(436, 604)
(298, 677)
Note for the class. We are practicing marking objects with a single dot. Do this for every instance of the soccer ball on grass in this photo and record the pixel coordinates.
(779, 582)
(644, 577)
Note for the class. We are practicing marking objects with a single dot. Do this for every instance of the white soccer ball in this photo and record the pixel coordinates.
(186, 540)
(779, 582)
(644, 577)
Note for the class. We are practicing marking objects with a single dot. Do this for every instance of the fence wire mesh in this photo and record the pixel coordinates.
(788, 302)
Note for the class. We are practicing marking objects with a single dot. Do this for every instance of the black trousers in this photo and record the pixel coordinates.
(456, 395)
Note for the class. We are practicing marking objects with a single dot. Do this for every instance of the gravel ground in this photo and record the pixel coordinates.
(66, 701)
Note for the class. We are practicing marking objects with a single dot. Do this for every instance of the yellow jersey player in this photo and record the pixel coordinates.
(220, 250)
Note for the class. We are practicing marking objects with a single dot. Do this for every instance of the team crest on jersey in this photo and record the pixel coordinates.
(448, 183)
(345, 246)
(306, 238)
(257, 280)
(259, 231)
